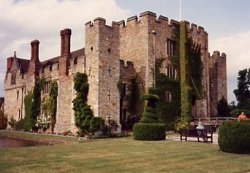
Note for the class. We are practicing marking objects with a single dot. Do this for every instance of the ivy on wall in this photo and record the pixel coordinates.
(53, 95)
(187, 87)
(190, 73)
(168, 111)
(49, 105)
(184, 75)
(29, 122)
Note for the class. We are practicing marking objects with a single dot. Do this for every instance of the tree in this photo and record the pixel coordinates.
(242, 92)
(222, 108)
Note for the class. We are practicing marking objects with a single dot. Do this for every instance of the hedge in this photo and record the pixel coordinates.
(149, 132)
(234, 137)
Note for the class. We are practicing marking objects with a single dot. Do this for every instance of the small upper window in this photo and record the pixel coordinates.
(170, 47)
(50, 68)
(168, 96)
(17, 95)
(13, 78)
(171, 72)
(75, 60)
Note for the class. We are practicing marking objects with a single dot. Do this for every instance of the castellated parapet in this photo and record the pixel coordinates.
(217, 78)
(122, 51)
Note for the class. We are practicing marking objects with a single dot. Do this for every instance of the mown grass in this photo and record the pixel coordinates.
(122, 155)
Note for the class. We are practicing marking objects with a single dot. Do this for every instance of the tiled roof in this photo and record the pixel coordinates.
(54, 60)
(23, 64)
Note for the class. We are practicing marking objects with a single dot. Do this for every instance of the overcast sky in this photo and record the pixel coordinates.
(21, 21)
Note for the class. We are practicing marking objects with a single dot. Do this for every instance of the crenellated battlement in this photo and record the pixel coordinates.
(145, 17)
(127, 64)
(217, 54)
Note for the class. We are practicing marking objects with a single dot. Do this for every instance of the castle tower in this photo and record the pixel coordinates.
(102, 68)
(217, 80)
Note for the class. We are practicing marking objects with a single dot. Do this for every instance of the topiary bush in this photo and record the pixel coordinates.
(149, 127)
(234, 137)
(149, 131)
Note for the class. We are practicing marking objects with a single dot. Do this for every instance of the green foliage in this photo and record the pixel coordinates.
(19, 125)
(236, 112)
(96, 124)
(168, 111)
(184, 75)
(49, 107)
(242, 92)
(152, 99)
(120, 87)
(149, 127)
(234, 137)
(180, 125)
(134, 97)
(83, 114)
(53, 95)
(29, 122)
(12, 123)
(37, 99)
(3, 120)
(149, 117)
(149, 131)
(222, 108)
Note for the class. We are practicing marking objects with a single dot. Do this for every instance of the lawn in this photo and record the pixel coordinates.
(122, 155)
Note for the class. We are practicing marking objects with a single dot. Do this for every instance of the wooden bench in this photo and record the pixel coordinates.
(205, 134)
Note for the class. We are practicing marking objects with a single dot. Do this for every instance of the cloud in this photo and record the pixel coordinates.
(237, 50)
(22, 21)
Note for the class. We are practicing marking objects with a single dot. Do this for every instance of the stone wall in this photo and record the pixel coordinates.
(102, 55)
(217, 80)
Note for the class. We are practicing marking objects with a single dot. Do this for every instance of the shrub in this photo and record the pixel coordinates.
(3, 120)
(96, 123)
(12, 123)
(234, 137)
(19, 124)
(149, 131)
(149, 127)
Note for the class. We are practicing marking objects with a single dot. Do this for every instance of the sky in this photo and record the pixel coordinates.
(21, 21)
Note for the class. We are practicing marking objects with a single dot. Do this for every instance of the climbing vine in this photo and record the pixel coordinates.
(184, 75)
(28, 119)
(168, 110)
(84, 118)
(49, 105)
(190, 73)
(53, 95)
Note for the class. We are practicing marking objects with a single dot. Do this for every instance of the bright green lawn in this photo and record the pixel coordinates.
(123, 155)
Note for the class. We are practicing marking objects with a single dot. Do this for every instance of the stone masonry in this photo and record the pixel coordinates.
(120, 51)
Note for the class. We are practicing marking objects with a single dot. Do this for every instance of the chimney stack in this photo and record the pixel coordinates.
(65, 52)
(65, 41)
(34, 61)
(35, 50)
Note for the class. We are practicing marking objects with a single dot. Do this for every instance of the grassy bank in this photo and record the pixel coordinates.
(123, 155)
(43, 138)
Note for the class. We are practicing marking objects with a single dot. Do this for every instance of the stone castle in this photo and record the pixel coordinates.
(113, 53)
